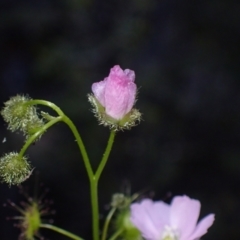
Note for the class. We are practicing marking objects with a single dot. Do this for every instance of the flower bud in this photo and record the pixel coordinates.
(130, 232)
(122, 221)
(113, 99)
(21, 116)
(16, 111)
(14, 169)
(33, 125)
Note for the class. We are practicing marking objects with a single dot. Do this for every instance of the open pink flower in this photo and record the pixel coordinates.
(177, 221)
(117, 92)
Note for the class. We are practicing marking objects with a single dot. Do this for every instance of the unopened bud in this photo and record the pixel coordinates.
(14, 169)
(130, 232)
(33, 125)
(113, 99)
(16, 111)
(22, 116)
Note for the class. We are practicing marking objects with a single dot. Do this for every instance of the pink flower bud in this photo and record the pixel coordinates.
(113, 99)
(117, 92)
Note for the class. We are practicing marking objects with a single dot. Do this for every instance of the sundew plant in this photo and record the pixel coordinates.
(113, 100)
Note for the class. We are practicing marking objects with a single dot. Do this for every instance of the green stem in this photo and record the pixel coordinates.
(105, 155)
(61, 231)
(48, 104)
(81, 146)
(94, 186)
(95, 210)
(74, 130)
(93, 178)
(38, 133)
(106, 224)
(116, 234)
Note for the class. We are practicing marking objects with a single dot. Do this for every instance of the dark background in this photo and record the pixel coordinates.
(186, 58)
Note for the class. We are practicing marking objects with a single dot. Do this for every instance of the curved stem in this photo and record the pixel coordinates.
(116, 234)
(105, 155)
(106, 224)
(48, 104)
(61, 231)
(35, 135)
(93, 178)
(81, 146)
(66, 120)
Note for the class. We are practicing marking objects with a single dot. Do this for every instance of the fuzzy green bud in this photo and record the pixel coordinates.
(20, 115)
(122, 222)
(130, 232)
(16, 111)
(33, 125)
(14, 169)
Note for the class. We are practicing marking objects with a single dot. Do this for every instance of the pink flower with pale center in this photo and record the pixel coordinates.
(117, 92)
(177, 221)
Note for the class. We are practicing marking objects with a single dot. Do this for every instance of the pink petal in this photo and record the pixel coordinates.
(130, 74)
(116, 98)
(132, 89)
(202, 227)
(120, 93)
(98, 90)
(184, 213)
(150, 217)
(117, 92)
(117, 72)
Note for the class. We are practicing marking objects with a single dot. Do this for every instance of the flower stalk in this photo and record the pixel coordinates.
(93, 178)
(60, 231)
(107, 222)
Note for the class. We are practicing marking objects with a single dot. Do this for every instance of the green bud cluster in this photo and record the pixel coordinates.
(14, 169)
(21, 116)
